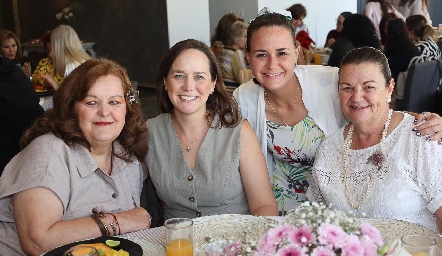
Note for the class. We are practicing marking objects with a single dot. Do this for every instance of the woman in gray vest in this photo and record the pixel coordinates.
(203, 158)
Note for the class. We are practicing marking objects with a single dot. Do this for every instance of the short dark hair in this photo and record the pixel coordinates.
(297, 11)
(368, 55)
(220, 102)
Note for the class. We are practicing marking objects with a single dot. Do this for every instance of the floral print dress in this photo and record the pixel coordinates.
(293, 150)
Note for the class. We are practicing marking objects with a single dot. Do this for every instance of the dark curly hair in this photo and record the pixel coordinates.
(62, 119)
(220, 103)
(359, 29)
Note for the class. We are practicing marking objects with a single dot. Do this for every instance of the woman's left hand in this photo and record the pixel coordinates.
(27, 69)
(431, 128)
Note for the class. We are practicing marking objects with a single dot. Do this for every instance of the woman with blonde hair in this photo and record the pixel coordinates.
(424, 37)
(67, 53)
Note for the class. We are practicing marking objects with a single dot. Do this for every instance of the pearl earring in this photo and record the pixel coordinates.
(388, 100)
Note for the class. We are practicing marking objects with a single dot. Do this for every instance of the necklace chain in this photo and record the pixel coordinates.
(377, 159)
(180, 139)
(276, 114)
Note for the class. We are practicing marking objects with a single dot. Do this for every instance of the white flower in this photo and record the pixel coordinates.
(71, 14)
(66, 9)
(58, 16)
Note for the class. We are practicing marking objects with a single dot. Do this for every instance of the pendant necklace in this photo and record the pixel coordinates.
(377, 159)
(180, 139)
(276, 114)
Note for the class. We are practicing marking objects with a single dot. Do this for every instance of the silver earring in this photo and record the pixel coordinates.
(388, 100)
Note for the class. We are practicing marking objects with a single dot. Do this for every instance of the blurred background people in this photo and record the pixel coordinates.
(358, 31)
(334, 34)
(45, 65)
(11, 49)
(19, 108)
(383, 27)
(398, 49)
(424, 37)
(85, 153)
(67, 53)
(218, 39)
(231, 57)
(376, 9)
(412, 7)
(299, 12)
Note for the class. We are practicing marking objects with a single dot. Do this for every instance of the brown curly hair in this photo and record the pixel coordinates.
(62, 119)
(220, 102)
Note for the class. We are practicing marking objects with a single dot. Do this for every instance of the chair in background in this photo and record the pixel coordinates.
(422, 88)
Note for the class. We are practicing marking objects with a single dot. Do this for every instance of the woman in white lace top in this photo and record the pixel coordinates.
(373, 165)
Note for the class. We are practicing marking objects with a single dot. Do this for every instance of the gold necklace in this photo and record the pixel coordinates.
(180, 139)
(276, 114)
(376, 159)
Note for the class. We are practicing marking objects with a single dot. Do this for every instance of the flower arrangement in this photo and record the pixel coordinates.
(311, 229)
(66, 16)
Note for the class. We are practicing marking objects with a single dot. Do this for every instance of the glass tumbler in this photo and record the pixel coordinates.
(419, 245)
(81, 250)
(179, 237)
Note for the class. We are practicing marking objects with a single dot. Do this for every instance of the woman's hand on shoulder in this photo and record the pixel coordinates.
(431, 129)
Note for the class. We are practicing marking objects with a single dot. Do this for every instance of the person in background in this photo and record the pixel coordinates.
(11, 49)
(200, 122)
(79, 173)
(299, 12)
(18, 109)
(412, 7)
(383, 27)
(358, 31)
(218, 38)
(334, 34)
(292, 108)
(45, 65)
(398, 49)
(376, 9)
(231, 57)
(363, 167)
(424, 37)
(67, 53)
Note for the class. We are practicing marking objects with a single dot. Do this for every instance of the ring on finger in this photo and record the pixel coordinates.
(425, 116)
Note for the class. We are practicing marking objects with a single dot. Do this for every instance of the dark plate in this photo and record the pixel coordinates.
(132, 248)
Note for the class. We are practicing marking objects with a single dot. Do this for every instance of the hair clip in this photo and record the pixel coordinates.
(266, 10)
(132, 96)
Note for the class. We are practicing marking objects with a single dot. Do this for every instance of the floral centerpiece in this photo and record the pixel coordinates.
(316, 230)
(66, 16)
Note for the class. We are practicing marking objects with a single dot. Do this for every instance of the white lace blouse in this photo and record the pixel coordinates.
(409, 186)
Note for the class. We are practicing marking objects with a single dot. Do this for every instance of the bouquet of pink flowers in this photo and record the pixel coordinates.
(314, 229)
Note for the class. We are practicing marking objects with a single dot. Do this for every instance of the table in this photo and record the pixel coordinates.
(35, 47)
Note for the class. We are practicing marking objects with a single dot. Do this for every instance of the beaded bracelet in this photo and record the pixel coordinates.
(116, 223)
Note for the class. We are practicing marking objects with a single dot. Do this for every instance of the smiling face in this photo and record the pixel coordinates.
(9, 49)
(189, 83)
(101, 115)
(363, 93)
(272, 56)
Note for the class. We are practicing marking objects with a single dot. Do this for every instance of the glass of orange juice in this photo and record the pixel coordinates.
(179, 237)
(419, 245)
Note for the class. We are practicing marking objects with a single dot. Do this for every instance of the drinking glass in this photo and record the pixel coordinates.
(81, 250)
(179, 237)
(420, 245)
